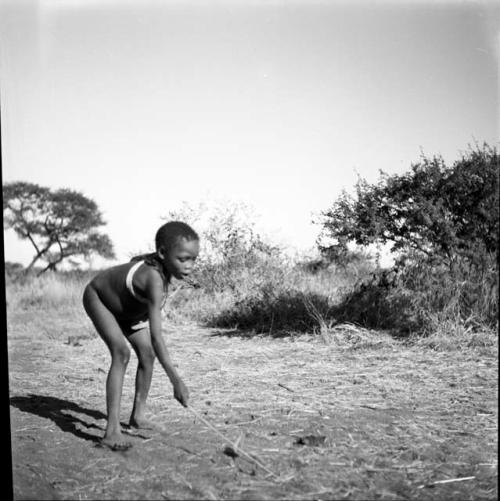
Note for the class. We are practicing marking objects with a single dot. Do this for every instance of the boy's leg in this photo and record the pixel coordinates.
(141, 343)
(109, 330)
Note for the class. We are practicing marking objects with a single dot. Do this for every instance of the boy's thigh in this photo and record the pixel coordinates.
(104, 321)
(140, 340)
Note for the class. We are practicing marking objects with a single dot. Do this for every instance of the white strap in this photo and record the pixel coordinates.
(129, 281)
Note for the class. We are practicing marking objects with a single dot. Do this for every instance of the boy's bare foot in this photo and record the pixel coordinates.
(142, 423)
(116, 442)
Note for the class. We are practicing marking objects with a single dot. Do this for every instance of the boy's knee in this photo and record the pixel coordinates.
(121, 354)
(147, 357)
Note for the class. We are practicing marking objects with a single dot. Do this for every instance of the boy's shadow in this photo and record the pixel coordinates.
(60, 411)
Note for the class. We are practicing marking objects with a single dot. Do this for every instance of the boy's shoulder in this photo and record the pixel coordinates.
(152, 274)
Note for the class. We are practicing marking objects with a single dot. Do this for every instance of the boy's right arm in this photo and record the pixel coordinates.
(154, 290)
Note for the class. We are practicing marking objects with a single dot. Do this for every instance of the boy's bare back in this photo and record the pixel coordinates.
(110, 284)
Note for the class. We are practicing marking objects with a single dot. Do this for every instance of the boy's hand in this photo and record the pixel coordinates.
(181, 393)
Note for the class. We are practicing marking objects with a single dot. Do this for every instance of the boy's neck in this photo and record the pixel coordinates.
(167, 276)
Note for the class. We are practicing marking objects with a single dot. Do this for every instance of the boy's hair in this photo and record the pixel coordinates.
(170, 233)
(167, 236)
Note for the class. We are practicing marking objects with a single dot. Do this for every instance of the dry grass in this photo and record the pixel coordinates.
(394, 417)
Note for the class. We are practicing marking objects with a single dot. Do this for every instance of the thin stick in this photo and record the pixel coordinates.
(453, 480)
(286, 387)
(249, 422)
(201, 418)
(446, 481)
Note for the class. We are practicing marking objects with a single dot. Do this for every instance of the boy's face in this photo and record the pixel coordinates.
(179, 260)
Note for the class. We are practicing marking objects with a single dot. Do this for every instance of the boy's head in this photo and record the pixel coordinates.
(177, 245)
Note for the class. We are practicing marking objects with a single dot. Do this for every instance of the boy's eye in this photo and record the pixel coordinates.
(183, 259)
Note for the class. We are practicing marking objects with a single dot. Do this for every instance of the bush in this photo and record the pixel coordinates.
(422, 295)
(275, 311)
(271, 297)
(442, 223)
(433, 210)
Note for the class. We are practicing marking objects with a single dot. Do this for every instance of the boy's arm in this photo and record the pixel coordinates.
(154, 290)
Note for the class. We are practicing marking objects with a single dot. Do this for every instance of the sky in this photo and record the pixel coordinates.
(142, 105)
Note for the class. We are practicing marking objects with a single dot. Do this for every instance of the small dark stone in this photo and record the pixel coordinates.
(229, 451)
(311, 440)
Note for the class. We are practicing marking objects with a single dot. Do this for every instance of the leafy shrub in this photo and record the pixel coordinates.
(432, 211)
(275, 311)
(443, 225)
(420, 296)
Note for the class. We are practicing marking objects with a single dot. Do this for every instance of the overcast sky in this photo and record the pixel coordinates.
(142, 105)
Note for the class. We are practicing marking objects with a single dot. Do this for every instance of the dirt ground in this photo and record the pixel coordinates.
(351, 417)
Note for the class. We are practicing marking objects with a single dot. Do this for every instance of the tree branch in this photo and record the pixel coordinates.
(28, 235)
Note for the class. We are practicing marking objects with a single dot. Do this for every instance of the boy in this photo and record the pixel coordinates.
(121, 301)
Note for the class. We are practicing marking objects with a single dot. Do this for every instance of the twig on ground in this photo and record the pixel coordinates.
(286, 387)
(447, 481)
(248, 422)
(248, 456)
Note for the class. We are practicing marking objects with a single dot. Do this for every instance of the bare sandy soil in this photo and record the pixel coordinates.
(361, 416)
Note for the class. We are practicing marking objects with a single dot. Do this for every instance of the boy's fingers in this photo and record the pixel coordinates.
(182, 400)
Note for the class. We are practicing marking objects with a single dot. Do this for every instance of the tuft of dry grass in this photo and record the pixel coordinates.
(453, 335)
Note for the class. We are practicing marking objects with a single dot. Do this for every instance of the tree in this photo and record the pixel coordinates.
(433, 211)
(60, 224)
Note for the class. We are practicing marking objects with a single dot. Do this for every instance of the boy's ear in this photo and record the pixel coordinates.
(161, 252)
